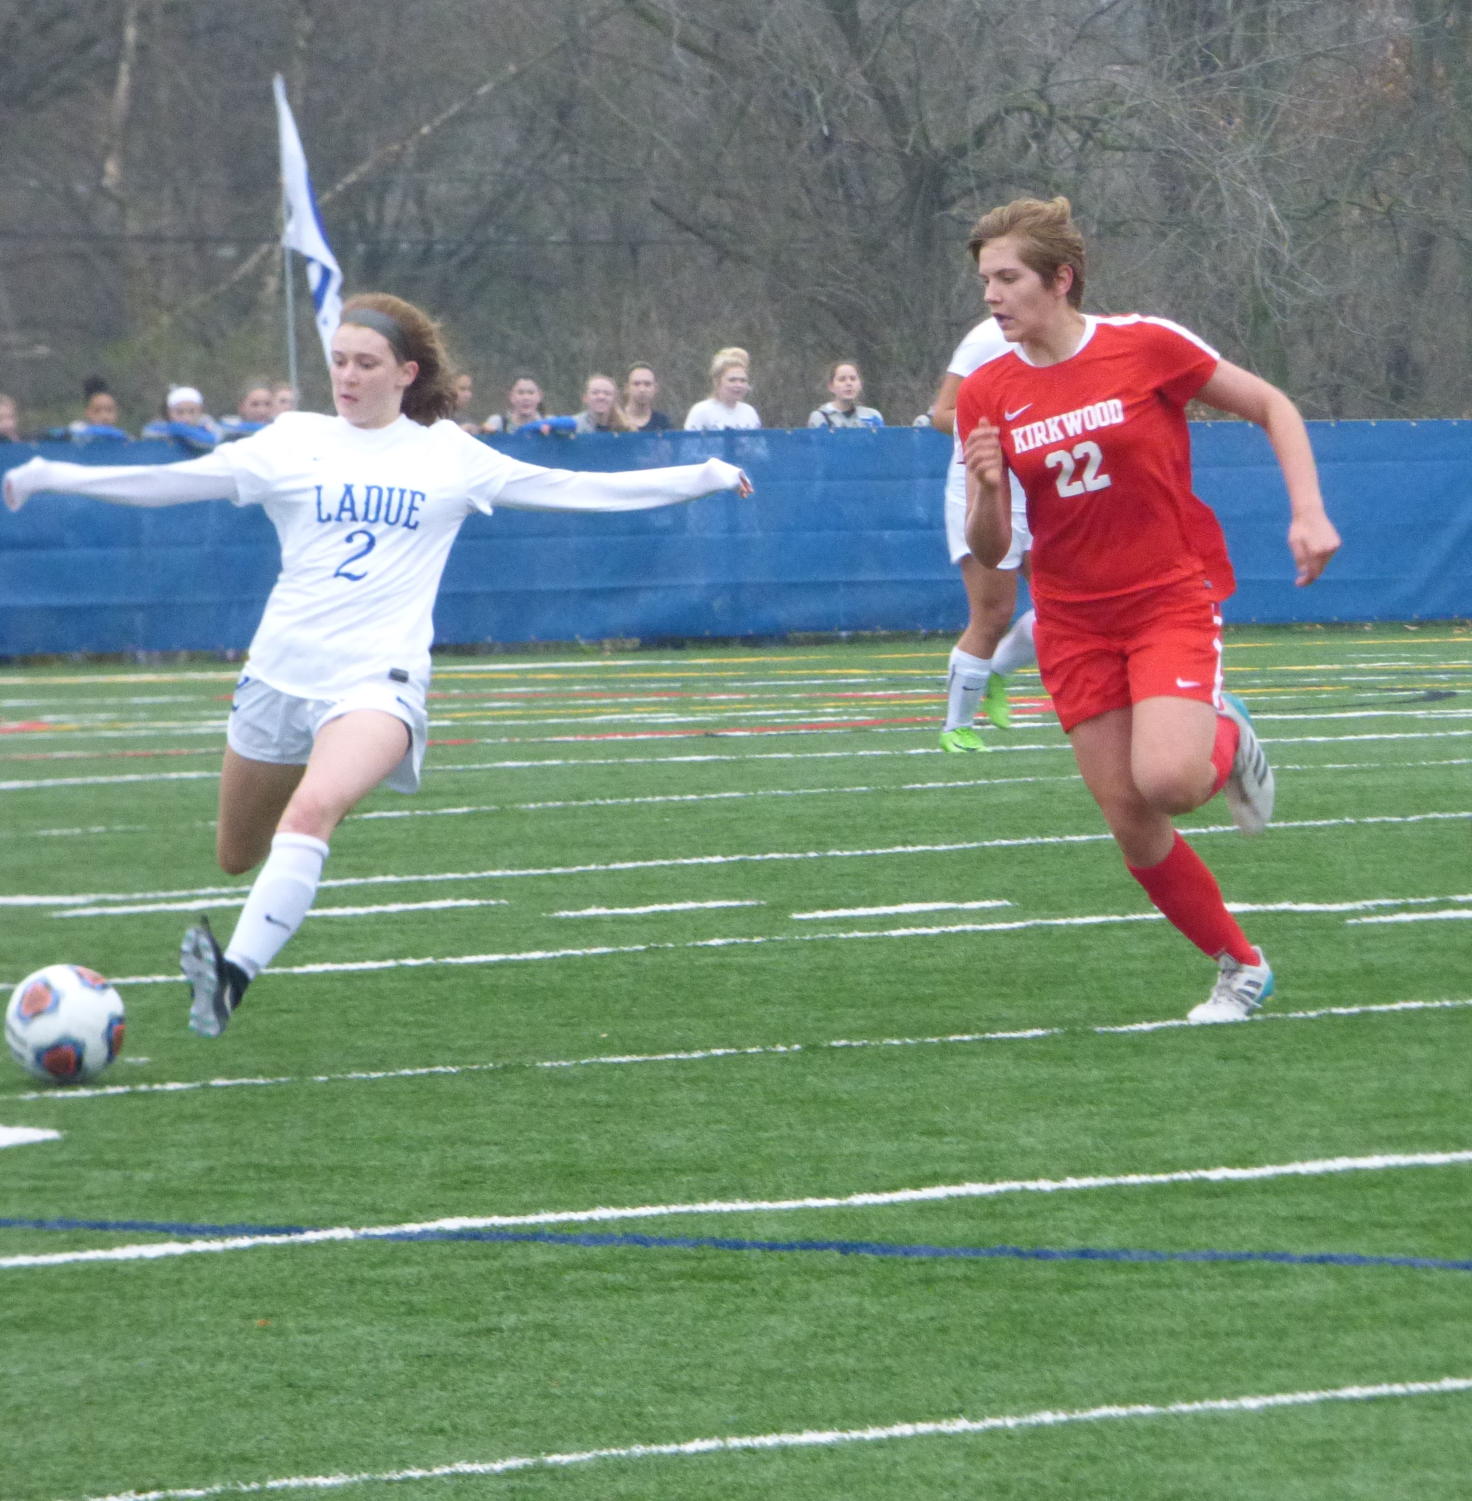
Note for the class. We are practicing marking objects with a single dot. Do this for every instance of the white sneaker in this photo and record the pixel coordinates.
(214, 992)
(1249, 787)
(1240, 990)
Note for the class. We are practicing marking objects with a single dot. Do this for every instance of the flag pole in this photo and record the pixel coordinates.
(290, 318)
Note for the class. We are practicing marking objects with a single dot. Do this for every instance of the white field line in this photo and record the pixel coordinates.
(106, 727)
(703, 1055)
(839, 715)
(1360, 906)
(1448, 916)
(110, 781)
(653, 907)
(1029, 841)
(606, 1214)
(720, 797)
(598, 951)
(24, 1136)
(35, 784)
(237, 899)
(815, 1438)
(758, 940)
(476, 809)
(900, 910)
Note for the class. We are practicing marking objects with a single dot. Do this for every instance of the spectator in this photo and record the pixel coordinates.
(9, 420)
(601, 412)
(256, 408)
(640, 390)
(523, 407)
(99, 419)
(185, 421)
(283, 397)
(846, 386)
(730, 380)
(464, 401)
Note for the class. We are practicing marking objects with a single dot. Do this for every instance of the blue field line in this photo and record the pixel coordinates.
(594, 1239)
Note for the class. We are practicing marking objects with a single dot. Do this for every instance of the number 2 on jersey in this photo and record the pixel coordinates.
(369, 541)
(1067, 463)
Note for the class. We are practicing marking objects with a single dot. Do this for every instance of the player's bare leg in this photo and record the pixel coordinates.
(1162, 744)
(253, 796)
(350, 757)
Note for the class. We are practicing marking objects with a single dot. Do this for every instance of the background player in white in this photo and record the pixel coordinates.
(331, 702)
(988, 651)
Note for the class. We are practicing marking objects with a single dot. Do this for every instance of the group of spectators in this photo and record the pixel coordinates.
(633, 407)
(182, 417)
(607, 407)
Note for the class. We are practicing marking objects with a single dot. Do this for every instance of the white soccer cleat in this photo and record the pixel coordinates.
(1249, 786)
(212, 994)
(1239, 991)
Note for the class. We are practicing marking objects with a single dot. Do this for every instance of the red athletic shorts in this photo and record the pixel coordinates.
(1104, 654)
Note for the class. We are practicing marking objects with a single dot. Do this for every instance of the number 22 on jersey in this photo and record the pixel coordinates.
(1079, 468)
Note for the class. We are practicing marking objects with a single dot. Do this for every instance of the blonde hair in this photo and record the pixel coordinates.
(432, 394)
(730, 358)
(1047, 239)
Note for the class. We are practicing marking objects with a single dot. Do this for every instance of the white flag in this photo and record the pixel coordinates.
(303, 232)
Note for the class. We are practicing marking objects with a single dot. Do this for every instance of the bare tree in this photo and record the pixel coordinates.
(573, 187)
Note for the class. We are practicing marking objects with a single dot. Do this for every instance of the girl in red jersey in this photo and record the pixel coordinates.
(1129, 567)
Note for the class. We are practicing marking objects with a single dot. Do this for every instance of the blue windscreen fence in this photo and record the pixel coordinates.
(843, 534)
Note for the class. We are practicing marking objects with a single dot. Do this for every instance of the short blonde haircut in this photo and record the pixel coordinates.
(730, 358)
(1046, 236)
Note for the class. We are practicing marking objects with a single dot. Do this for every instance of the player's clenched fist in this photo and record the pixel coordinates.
(983, 454)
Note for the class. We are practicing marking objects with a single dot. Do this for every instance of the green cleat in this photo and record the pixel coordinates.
(994, 705)
(962, 739)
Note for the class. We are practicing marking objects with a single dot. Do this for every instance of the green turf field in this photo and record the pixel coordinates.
(706, 1088)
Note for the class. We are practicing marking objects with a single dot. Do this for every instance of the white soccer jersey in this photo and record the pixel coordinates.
(366, 518)
(983, 344)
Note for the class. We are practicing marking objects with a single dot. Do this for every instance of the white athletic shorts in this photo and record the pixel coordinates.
(956, 532)
(280, 728)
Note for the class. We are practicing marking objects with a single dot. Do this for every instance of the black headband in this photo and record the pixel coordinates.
(381, 323)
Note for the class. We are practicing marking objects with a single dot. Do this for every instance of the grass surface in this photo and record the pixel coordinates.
(716, 942)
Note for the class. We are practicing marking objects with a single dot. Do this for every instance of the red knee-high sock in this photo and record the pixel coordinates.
(1223, 750)
(1188, 895)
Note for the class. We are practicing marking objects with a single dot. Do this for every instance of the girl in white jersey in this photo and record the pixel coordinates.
(331, 702)
(989, 650)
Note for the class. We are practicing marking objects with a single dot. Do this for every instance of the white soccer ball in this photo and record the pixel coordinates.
(64, 1024)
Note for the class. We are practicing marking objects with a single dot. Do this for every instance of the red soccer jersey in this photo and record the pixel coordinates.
(1100, 444)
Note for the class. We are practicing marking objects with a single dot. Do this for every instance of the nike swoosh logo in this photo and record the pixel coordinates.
(1180, 683)
(1020, 410)
(276, 922)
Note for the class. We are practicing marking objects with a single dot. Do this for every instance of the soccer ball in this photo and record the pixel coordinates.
(64, 1024)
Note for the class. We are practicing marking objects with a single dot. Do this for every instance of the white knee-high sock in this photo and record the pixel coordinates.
(1016, 648)
(278, 902)
(964, 687)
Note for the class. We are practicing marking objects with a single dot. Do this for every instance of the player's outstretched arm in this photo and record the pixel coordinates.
(209, 477)
(1312, 537)
(527, 487)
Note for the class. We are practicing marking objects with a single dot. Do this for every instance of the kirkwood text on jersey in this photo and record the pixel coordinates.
(1069, 425)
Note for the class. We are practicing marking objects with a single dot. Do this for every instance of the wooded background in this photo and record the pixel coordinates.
(573, 186)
